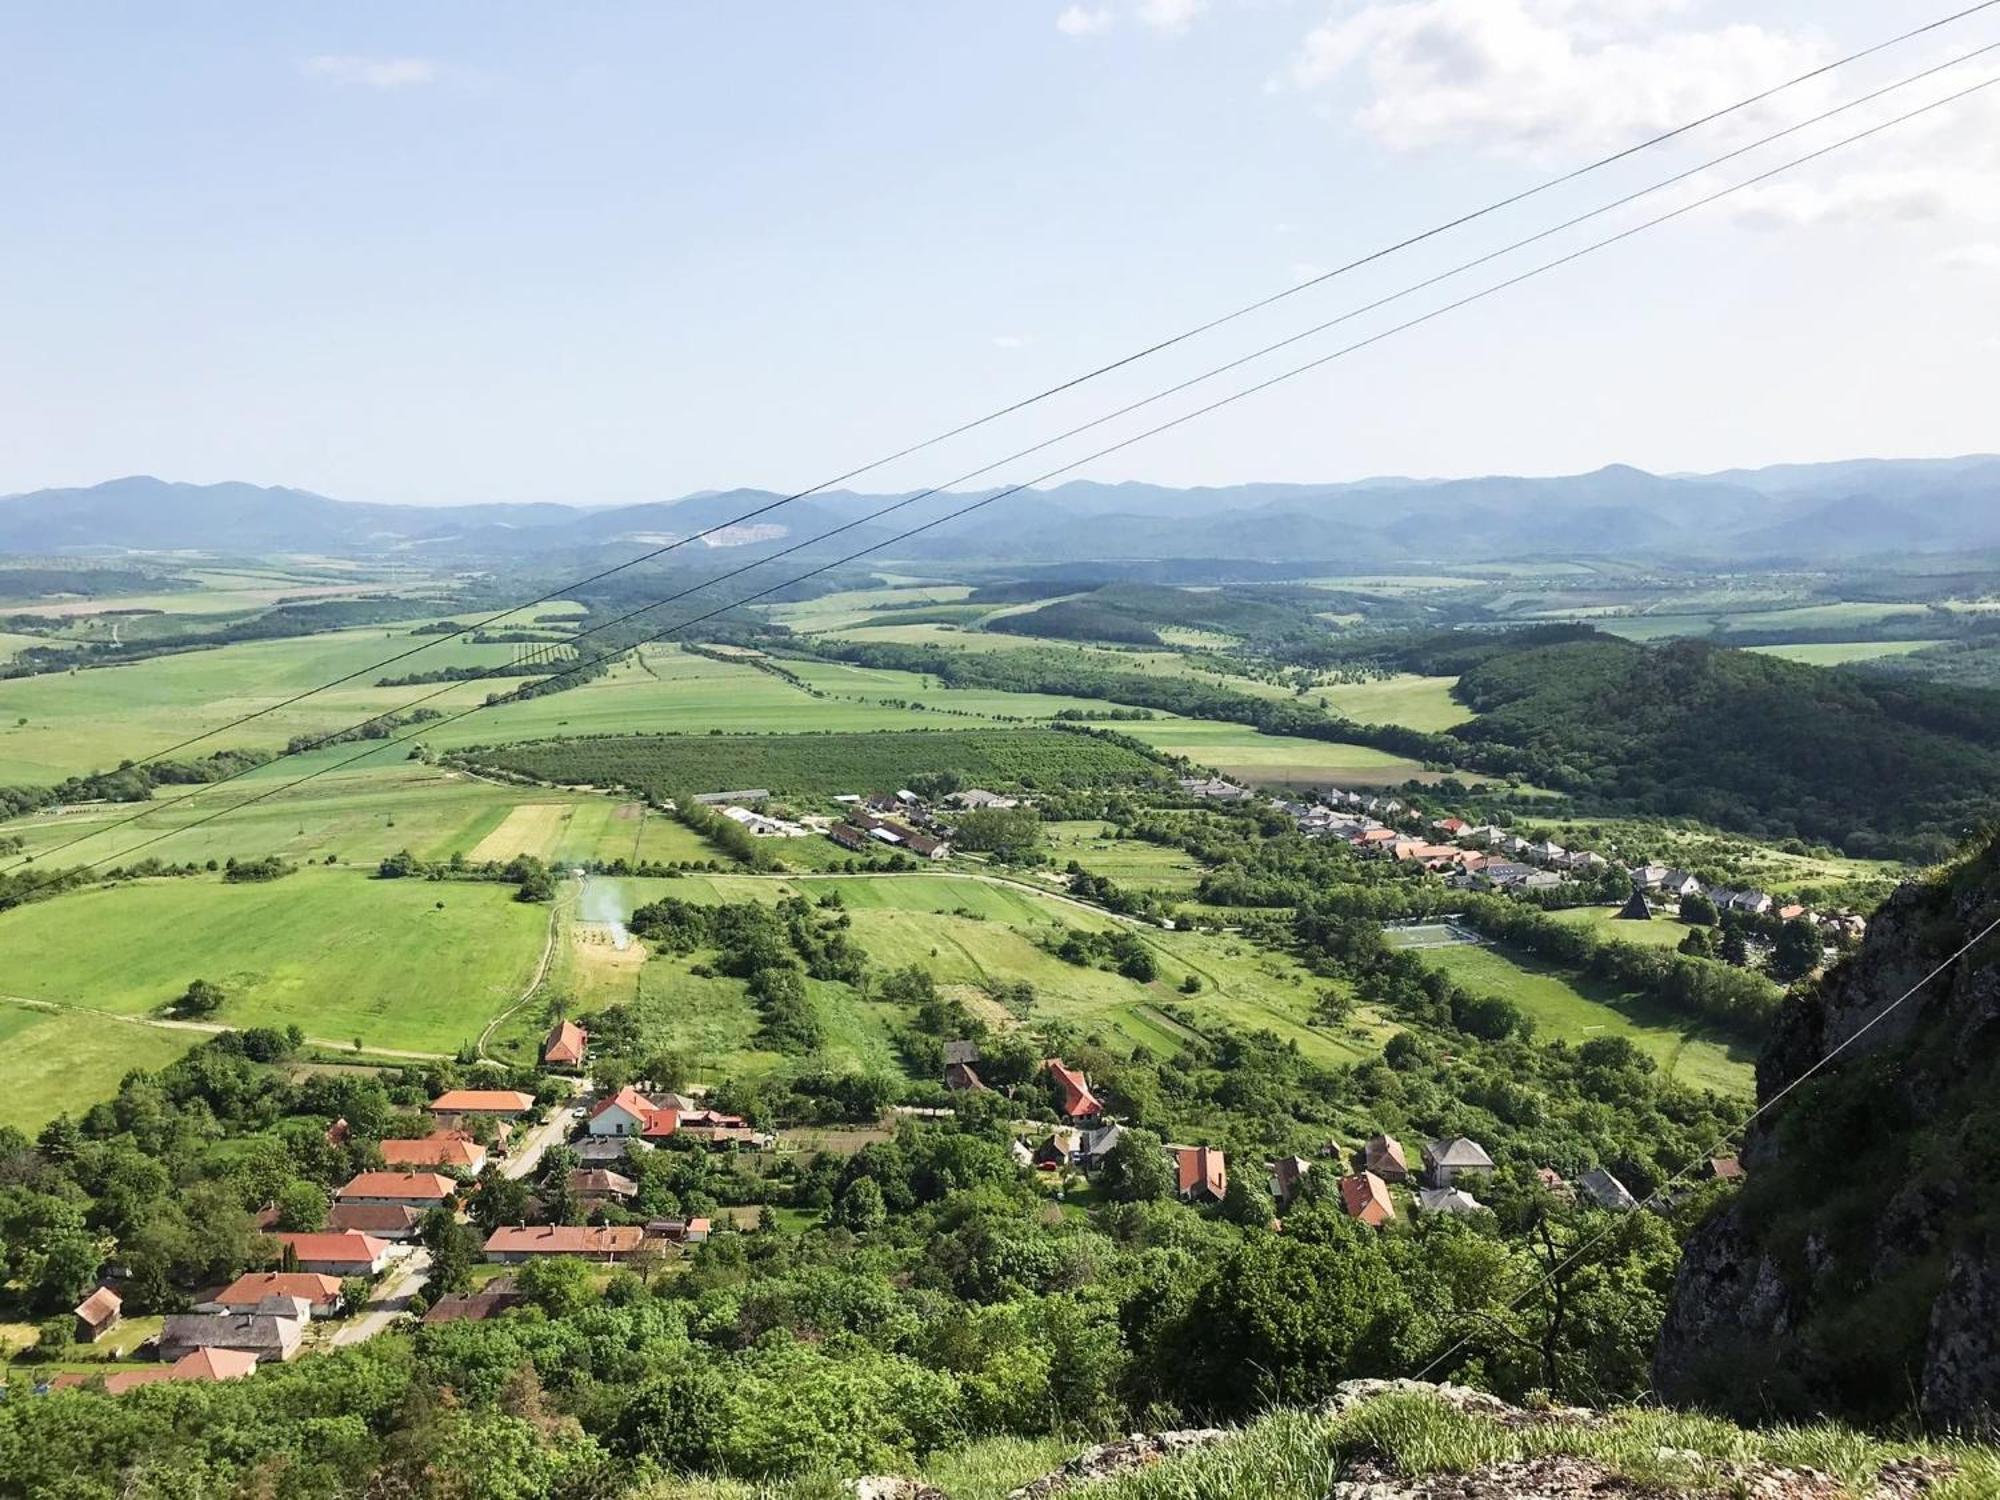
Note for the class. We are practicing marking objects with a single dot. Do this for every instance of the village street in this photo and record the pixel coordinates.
(391, 1299)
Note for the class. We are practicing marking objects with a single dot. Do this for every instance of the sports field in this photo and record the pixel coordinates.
(407, 965)
(1572, 1008)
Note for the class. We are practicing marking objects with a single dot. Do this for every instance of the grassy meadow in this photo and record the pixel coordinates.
(62, 1062)
(972, 935)
(406, 965)
(1274, 759)
(1572, 1008)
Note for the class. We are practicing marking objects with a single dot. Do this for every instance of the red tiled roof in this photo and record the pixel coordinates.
(215, 1364)
(349, 1247)
(373, 1218)
(483, 1101)
(1366, 1197)
(628, 1099)
(1201, 1168)
(442, 1148)
(1078, 1102)
(565, 1044)
(419, 1186)
(565, 1239)
(253, 1287)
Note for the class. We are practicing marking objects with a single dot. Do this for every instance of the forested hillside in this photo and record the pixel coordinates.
(1750, 742)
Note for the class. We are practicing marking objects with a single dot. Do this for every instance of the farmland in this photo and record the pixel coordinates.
(1240, 751)
(54, 1062)
(806, 765)
(403, 965)
(971, 934)
(1423, 703)
(1571, 1008)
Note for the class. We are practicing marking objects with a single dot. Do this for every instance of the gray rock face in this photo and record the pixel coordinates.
(1962, 1363)
(1866, 1182)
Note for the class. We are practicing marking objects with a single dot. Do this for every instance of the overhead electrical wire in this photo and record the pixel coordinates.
(375, 748)
(1073, 382)
(1550, 1273)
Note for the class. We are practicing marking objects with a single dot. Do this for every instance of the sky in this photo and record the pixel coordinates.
(619, 252)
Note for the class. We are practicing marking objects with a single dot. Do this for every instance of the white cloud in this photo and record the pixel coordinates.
(1941, 169)
(1079, 21)
(1983, 257)
(372, 72)
(1544, 78)
(1170, 15)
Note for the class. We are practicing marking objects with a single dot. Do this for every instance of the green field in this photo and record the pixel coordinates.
(54, 1062)
(1604, 922)
(407, 965)
(970, 934)
(1570, 1008)
(825, 765)
(1273, 759)
(1130, 862)
(1838, 653)
(89, 720)
(1423, 703)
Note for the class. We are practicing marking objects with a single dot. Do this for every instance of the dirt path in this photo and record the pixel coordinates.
(541, 970)
(206, 1028)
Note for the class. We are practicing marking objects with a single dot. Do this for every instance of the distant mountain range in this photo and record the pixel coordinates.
(1790, 513)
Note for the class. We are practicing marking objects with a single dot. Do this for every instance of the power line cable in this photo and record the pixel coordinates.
(1494, 289)
(335, 736)
(1074, 382)
(1550, 1274)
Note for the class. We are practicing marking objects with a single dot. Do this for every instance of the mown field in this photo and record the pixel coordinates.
(1839, 653)
(818, 765)
(1273, 759)
(57, 1062)
(972, 935)
(63, 724)
(358, 815)
(1423, 703)
(1572, 1008)
(406, 965)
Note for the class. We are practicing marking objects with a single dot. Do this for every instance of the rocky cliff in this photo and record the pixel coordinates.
(1858, 1271)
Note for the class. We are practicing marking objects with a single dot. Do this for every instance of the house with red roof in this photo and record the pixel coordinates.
(342, 1253)
(277, 1291)
(565, 1046)
(386, 1221)
(1201, 1173)
(425, 1190)
(201, 1364)
(498, 1103)
(1365, 1197)
(451, 1150)
(599, 1242)
(1074, 1100)
(626, 1112)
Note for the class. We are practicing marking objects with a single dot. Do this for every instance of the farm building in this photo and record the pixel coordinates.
(346, 1253)
(607, 1243)
(503, 1104)
(268, 1336)
(97, 1315)
(565, 1046)
(423, 1190)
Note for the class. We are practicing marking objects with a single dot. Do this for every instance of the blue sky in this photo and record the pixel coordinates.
(617, 252)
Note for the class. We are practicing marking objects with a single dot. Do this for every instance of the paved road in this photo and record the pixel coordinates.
(390, 1301)
(523, 1159)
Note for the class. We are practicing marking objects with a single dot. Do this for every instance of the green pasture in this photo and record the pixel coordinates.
(1422, 703)
(1572, 1008)
(1130, 862)
(975, 935)
(403, 964)
(1604, 921)
(60, 1062)
(62, 724)
(1273, 759)
(1839, 653)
